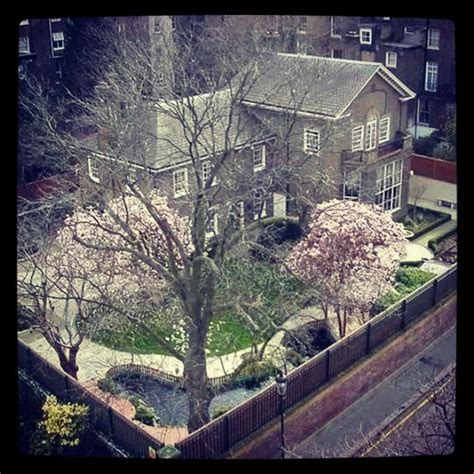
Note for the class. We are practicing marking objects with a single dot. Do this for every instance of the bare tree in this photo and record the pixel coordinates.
(145, 127)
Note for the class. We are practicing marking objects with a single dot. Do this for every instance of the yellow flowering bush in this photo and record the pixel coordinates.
(64, 422)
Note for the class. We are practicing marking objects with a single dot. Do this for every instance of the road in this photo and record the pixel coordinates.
(353, 426)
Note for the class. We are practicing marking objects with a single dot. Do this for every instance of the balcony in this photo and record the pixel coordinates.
(401, 142)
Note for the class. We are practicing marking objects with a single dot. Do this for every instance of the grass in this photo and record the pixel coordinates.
(229, 332)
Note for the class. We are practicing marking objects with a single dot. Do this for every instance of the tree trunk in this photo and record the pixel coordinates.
(68, 364)
(339, 321)
(195, 379)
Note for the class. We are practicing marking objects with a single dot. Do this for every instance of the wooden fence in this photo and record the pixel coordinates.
(125, 433)
(220, 435)
(434, 168)
(230, 429)
(163, 377)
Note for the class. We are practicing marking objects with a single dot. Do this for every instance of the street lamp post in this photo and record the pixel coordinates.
(281, 384)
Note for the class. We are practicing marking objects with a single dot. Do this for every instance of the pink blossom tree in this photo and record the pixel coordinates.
(350, 254)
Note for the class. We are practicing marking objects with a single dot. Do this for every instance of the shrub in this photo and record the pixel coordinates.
(143, 412)
(294, 357)
(108, 385)
(410, 278)
(220, 410)
(253, 374)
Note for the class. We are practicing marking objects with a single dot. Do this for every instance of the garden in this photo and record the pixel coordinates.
(420, 220)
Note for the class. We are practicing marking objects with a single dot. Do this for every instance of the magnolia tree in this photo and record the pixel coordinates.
(350, 254)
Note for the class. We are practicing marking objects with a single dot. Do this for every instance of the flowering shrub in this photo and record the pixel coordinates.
(63, 423)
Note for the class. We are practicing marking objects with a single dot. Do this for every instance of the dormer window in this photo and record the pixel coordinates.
(58, 42)
(365, 35)
(384, 130)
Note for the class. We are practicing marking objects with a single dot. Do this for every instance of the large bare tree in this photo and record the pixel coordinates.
(145, 126)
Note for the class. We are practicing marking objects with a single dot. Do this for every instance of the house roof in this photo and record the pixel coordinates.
(318, 85)
(208, 120)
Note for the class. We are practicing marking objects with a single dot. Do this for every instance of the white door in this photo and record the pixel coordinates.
(279, 205)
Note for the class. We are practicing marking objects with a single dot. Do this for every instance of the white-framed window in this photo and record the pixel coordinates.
(58, 41)
(25, 22)
(259, 205)
(58, 70)
(389, 185)
(93, 169)
(180, 182)
(24, 45)
(132, 175)
(391, 59)
(54, 20)
(121, 27)
(432, 41)
(409, 30)
(431, 76)
(259, 156)
(312, 144)
(384, 130)
(336, 31)
(212, 224)
(239, 214)
(358, 138)
(365, 35)
(206, 168)
(371, 135)
(423, 112)
(351, 185)
(336, 53)
(161, 79)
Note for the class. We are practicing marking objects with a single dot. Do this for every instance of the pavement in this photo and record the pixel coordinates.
(354, 424)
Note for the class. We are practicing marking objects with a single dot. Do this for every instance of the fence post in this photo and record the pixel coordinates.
(328, 357)
(112, 433)
(435, 292)
(226, 433)
(404, 311)
(367, 349)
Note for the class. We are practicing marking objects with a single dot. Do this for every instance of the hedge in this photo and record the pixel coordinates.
(433, 243)
(445, 218)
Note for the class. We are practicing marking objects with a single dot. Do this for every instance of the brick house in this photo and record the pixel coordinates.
(350, 122)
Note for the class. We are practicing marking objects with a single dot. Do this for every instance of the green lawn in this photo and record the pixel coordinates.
(273, 293)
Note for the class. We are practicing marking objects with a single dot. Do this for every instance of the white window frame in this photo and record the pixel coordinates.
(212, 225)
(431, 76)
(388, 183)
(370, 138)
(346, 196)
(430, 36)
(54, 20)
(308, 149)
(120, 27)
(419, 121)
(384, 130)
(391, 58)
(25, 22)
(182, 191)
(93, 169)
(259, 206)
(206, 168)
(357, 140)
(409, 30)
(332, 20)
(361, 35)
(240, 208)
(259, 161)
(57, 37)
(27, 50)
(332, 53)
(132, 176)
